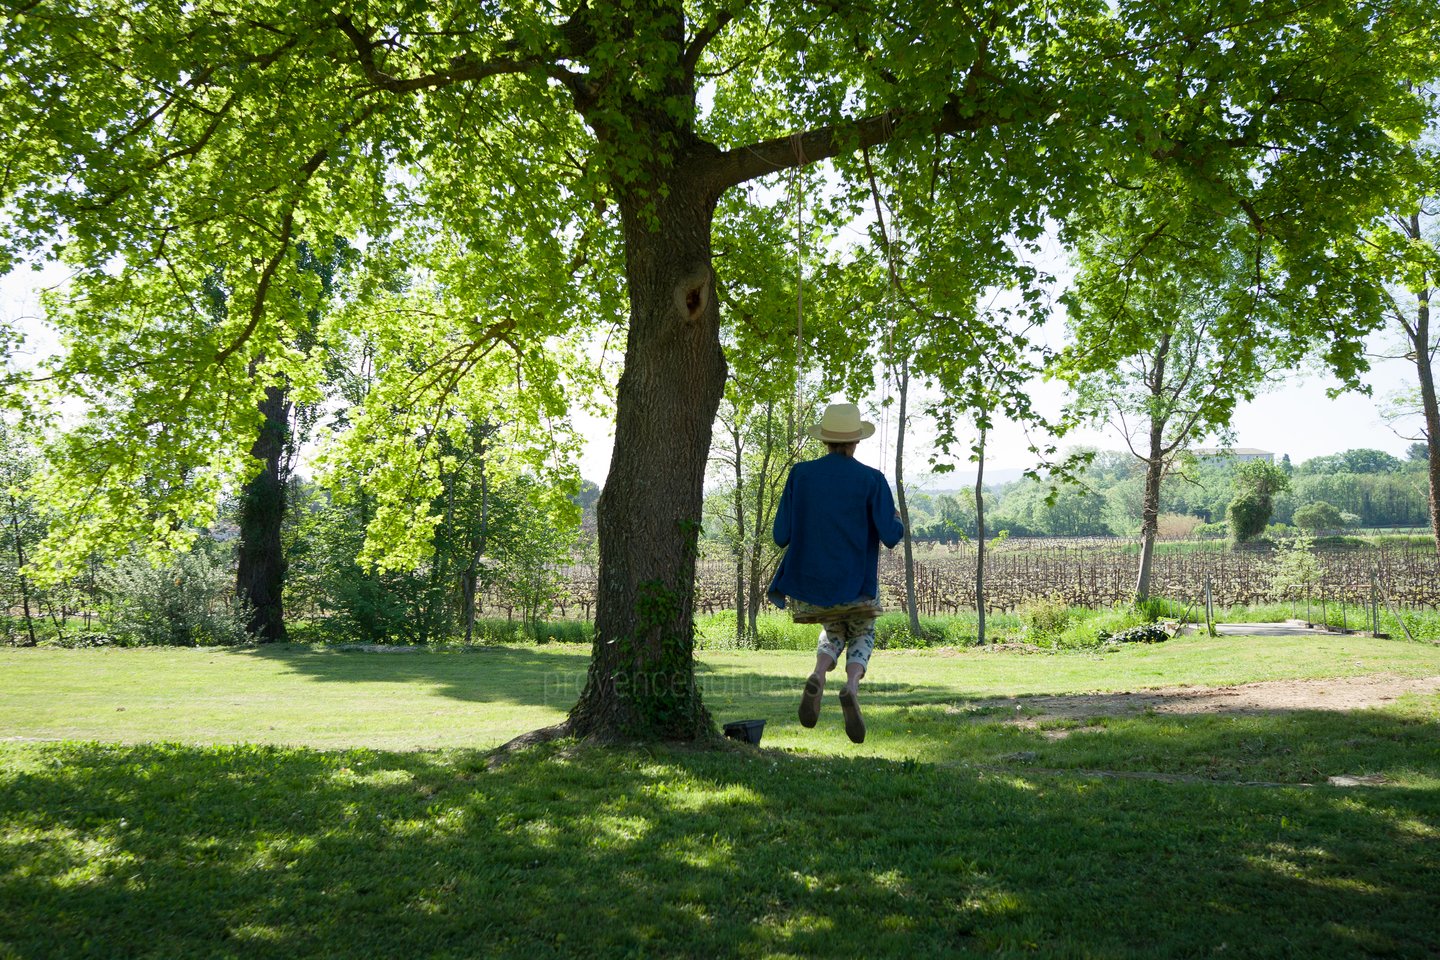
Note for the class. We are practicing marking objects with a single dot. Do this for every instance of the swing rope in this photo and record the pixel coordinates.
(894, 294)
(797, 185)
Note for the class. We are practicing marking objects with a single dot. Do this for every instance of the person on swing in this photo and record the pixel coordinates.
(833, 515)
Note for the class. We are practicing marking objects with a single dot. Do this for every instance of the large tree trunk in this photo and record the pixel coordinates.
(260, 572)
(910, 604)
(641, 681)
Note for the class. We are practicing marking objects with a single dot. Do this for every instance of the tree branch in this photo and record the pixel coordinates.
(462, 67)
(733, 167)
(704, 38)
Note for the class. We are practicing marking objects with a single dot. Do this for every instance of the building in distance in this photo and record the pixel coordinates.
(1233, 453)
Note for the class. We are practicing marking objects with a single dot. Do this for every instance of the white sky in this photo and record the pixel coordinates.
(1296, 418)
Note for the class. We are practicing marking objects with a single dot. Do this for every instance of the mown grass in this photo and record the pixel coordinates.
(320, 697)
(948, 833)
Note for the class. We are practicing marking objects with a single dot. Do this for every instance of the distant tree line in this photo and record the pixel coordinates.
(1365, 488)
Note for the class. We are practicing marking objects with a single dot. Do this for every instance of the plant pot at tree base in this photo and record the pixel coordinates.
(746, 731)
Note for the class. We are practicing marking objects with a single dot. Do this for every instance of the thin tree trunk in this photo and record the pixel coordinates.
(260, 570)
(20, 572)
(1150, 515)
(470, 585)
(761, 483)
(900, 502)
(740, 537)
(641, 681)
(980, 539)
(1154, 470)
(1429, 405)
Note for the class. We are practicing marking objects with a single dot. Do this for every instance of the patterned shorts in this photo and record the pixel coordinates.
(855, 633)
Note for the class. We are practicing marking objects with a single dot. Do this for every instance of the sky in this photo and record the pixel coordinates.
(1296, 417)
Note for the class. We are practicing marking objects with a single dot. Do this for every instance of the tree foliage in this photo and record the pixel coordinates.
(515, 151)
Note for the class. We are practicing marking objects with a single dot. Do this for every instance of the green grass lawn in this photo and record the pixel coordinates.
(289, 802)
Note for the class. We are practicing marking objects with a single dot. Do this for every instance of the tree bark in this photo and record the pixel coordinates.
(641, 681)
(1154, 469)
(980, 539)
(910, 604)
(1420, 342)
(470, 577)
(20, 572)
(762, 483)
(260, 571)
(1150, 512)
(737, 434)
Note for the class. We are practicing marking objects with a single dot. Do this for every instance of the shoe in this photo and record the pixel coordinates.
(810, 702)
(854, 723)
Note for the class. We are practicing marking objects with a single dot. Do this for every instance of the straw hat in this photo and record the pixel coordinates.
(842, 424)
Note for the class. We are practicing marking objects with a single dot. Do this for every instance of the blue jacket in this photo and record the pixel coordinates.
(834, 513)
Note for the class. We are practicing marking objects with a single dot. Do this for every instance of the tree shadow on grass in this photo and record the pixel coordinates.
(168, 851)
(500, 674)
(552, 676)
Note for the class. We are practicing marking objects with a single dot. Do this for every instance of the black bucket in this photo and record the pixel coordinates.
(747, 731)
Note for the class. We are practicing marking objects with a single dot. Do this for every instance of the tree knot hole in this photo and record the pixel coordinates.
(692, 294)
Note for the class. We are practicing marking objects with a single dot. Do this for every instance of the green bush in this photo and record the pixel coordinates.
(84, 640)
(565, 631)
(1144, 633)
(776, 631)
(1247, 516)
(1047, 618)
(1159, 608)
(187, 601)
(492, 630)
(892, 632)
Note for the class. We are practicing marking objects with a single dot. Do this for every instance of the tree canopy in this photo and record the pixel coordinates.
(519, 158)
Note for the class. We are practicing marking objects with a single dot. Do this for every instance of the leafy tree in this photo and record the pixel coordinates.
(1256, 485)
(1405, 250)
(1352, 461)
(1295, 569)
(526, 136)
(1247, 516)
(534, 529)
(1146, 356)
(1319, 516)
(1033, 508)
(759, 438)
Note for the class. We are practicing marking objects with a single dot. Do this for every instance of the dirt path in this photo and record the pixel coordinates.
(1341, 693)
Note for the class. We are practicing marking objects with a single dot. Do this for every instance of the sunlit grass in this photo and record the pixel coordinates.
(962, 827)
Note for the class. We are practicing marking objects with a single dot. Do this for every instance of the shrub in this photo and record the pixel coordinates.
(1247, 516)
(1159, 608)
(1319, 515)
(187, 601)
(1145, 633)
(1046, 618)
(565, 631)
(1175, 526)
(892, 632)
(777, 632)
